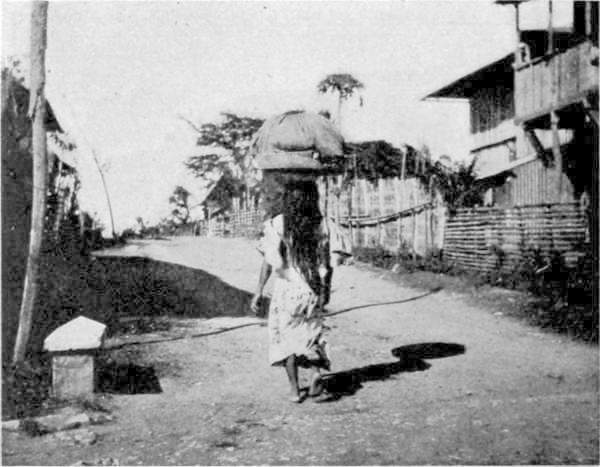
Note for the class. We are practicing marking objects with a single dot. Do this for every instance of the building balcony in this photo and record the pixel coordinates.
(558, 82)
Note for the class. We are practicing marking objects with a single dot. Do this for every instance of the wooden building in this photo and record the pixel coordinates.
(534, 114)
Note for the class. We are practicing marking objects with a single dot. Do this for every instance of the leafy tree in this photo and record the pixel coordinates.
(457, 184)
(373, 160)
(345, 85)
(62, 142)
(231, 161)
(180, 199)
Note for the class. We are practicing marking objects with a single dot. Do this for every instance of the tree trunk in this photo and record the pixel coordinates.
(558, 162)
(37, 109)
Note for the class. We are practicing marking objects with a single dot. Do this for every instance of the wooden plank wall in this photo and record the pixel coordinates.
(474, 236)
(535, 184)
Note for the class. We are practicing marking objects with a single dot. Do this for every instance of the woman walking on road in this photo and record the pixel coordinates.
(295, 247)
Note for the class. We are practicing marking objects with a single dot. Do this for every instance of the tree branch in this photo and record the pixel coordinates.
(189, 122)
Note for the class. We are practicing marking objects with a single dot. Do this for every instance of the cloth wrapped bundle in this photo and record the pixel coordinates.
(296, 140)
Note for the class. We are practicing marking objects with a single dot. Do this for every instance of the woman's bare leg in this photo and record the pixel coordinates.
(291, 368)
(316, 385)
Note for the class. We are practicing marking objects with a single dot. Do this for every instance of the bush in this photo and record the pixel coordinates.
(403, 260)
(562, 297)
(25, 389)
(565, 298)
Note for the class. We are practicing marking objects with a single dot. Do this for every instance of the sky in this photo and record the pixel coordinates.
(120, 75)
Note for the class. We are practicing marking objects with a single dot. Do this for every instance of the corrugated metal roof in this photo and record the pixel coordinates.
(506, 168)
(495, 72)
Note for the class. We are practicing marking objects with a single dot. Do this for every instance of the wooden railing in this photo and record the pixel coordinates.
(552, 82)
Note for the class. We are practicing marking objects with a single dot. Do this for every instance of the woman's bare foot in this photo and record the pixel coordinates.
(291, 368)
(296, 395)
(316, 385)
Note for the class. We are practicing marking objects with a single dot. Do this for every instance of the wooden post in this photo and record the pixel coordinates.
(37, 109)
(354, 234)
(430, 216)
(402, 191)
(338, 199)
(414, 223)
(367, 206)
(350, 227)
(398, 203)
(550, 30)
(535, 142)
(403, 166)
(557, 154)
(588, 19)
(381, 199)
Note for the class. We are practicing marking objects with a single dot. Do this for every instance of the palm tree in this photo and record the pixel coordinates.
(345, 85)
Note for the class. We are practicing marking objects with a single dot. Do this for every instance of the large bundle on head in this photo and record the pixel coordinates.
(296, 140)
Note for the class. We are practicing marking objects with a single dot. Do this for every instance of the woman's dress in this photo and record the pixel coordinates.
(296, 325)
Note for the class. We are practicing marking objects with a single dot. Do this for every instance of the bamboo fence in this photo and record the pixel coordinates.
(490, 238)
(404, 216)
(244, 222)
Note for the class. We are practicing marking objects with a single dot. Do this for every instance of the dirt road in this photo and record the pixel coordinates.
(419, 377)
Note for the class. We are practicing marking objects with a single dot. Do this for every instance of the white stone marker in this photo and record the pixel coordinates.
(73, 346)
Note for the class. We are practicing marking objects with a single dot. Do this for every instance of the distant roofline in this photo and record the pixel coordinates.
(509, 2)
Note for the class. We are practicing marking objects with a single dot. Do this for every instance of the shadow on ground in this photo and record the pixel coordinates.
(131, 295)
(410, 358)
(428, 351)
(114, 288)
(127, 378)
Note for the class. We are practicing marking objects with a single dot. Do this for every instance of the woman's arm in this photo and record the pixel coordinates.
(265, 273)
